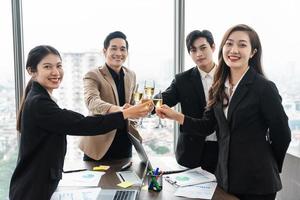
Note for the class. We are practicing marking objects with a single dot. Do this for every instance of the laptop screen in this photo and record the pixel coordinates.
(145, 173)
(140, 151)
(143, 156)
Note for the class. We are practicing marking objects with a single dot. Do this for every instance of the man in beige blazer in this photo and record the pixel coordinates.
(107, 89)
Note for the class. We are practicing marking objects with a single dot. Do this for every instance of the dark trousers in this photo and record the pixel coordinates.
(256, 197)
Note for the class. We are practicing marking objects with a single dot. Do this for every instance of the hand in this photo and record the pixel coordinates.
(140, 110)
(126, 105)
(114, 108)
(166, 112)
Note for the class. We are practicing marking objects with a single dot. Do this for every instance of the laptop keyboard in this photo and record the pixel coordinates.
(124, 195)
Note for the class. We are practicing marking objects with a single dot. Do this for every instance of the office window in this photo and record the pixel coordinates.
(279, 34)
(8, 141)
(79, 36)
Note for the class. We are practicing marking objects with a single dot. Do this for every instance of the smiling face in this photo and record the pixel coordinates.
(202, 54)
(49, 72)
(116, 53)
(237, 50)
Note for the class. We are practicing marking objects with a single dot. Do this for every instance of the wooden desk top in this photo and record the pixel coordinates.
(110, 180)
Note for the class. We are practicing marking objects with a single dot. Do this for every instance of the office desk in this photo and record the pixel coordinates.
(110, 180)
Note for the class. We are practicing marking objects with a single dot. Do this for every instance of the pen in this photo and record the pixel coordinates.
(156, 171)
(156, 174)
(126, 166)
(76, 170)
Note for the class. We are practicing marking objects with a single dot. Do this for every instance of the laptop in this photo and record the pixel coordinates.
(143, 155)
(116, 194)
(140, 150)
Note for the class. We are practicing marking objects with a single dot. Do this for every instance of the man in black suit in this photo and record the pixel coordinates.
(190, 89)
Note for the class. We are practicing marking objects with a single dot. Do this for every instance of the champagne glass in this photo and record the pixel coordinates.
(140, 123)
(158, 101)
(149, 88)
(137, 98)
(137, 95)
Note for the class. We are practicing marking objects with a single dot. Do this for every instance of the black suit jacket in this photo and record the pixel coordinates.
(43, 143)
(187, 89)
(253, 139)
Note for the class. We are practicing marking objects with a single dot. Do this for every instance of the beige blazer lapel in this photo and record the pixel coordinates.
(129, 85)
(107, 76)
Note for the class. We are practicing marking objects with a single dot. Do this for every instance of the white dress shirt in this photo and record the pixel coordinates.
(230, 91)
(207, 81)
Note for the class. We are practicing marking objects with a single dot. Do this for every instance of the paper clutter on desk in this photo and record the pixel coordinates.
(125, 184)
(101, 168)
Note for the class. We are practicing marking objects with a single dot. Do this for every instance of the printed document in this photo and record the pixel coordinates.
(190, 177)
(83, 178)
(79, 194)
(202, 191)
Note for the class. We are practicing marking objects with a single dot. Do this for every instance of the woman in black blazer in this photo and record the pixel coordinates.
(44, 126)
(253, 132)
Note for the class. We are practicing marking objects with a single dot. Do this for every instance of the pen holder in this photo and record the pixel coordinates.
(155, 182)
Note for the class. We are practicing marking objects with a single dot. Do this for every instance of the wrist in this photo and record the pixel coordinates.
(125, 114)
(114, 108)
(180, 118)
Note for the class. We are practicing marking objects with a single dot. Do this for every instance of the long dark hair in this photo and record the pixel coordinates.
(34, 58)
(217, 91)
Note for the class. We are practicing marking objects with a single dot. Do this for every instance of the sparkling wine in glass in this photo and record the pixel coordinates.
(137, 96)
(158, 101)
(145, 100)
(149, 88)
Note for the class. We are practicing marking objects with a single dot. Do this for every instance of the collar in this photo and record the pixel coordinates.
(38, 87)
(227, 84)
(53, 98)
(114, 74)
(210, 74)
